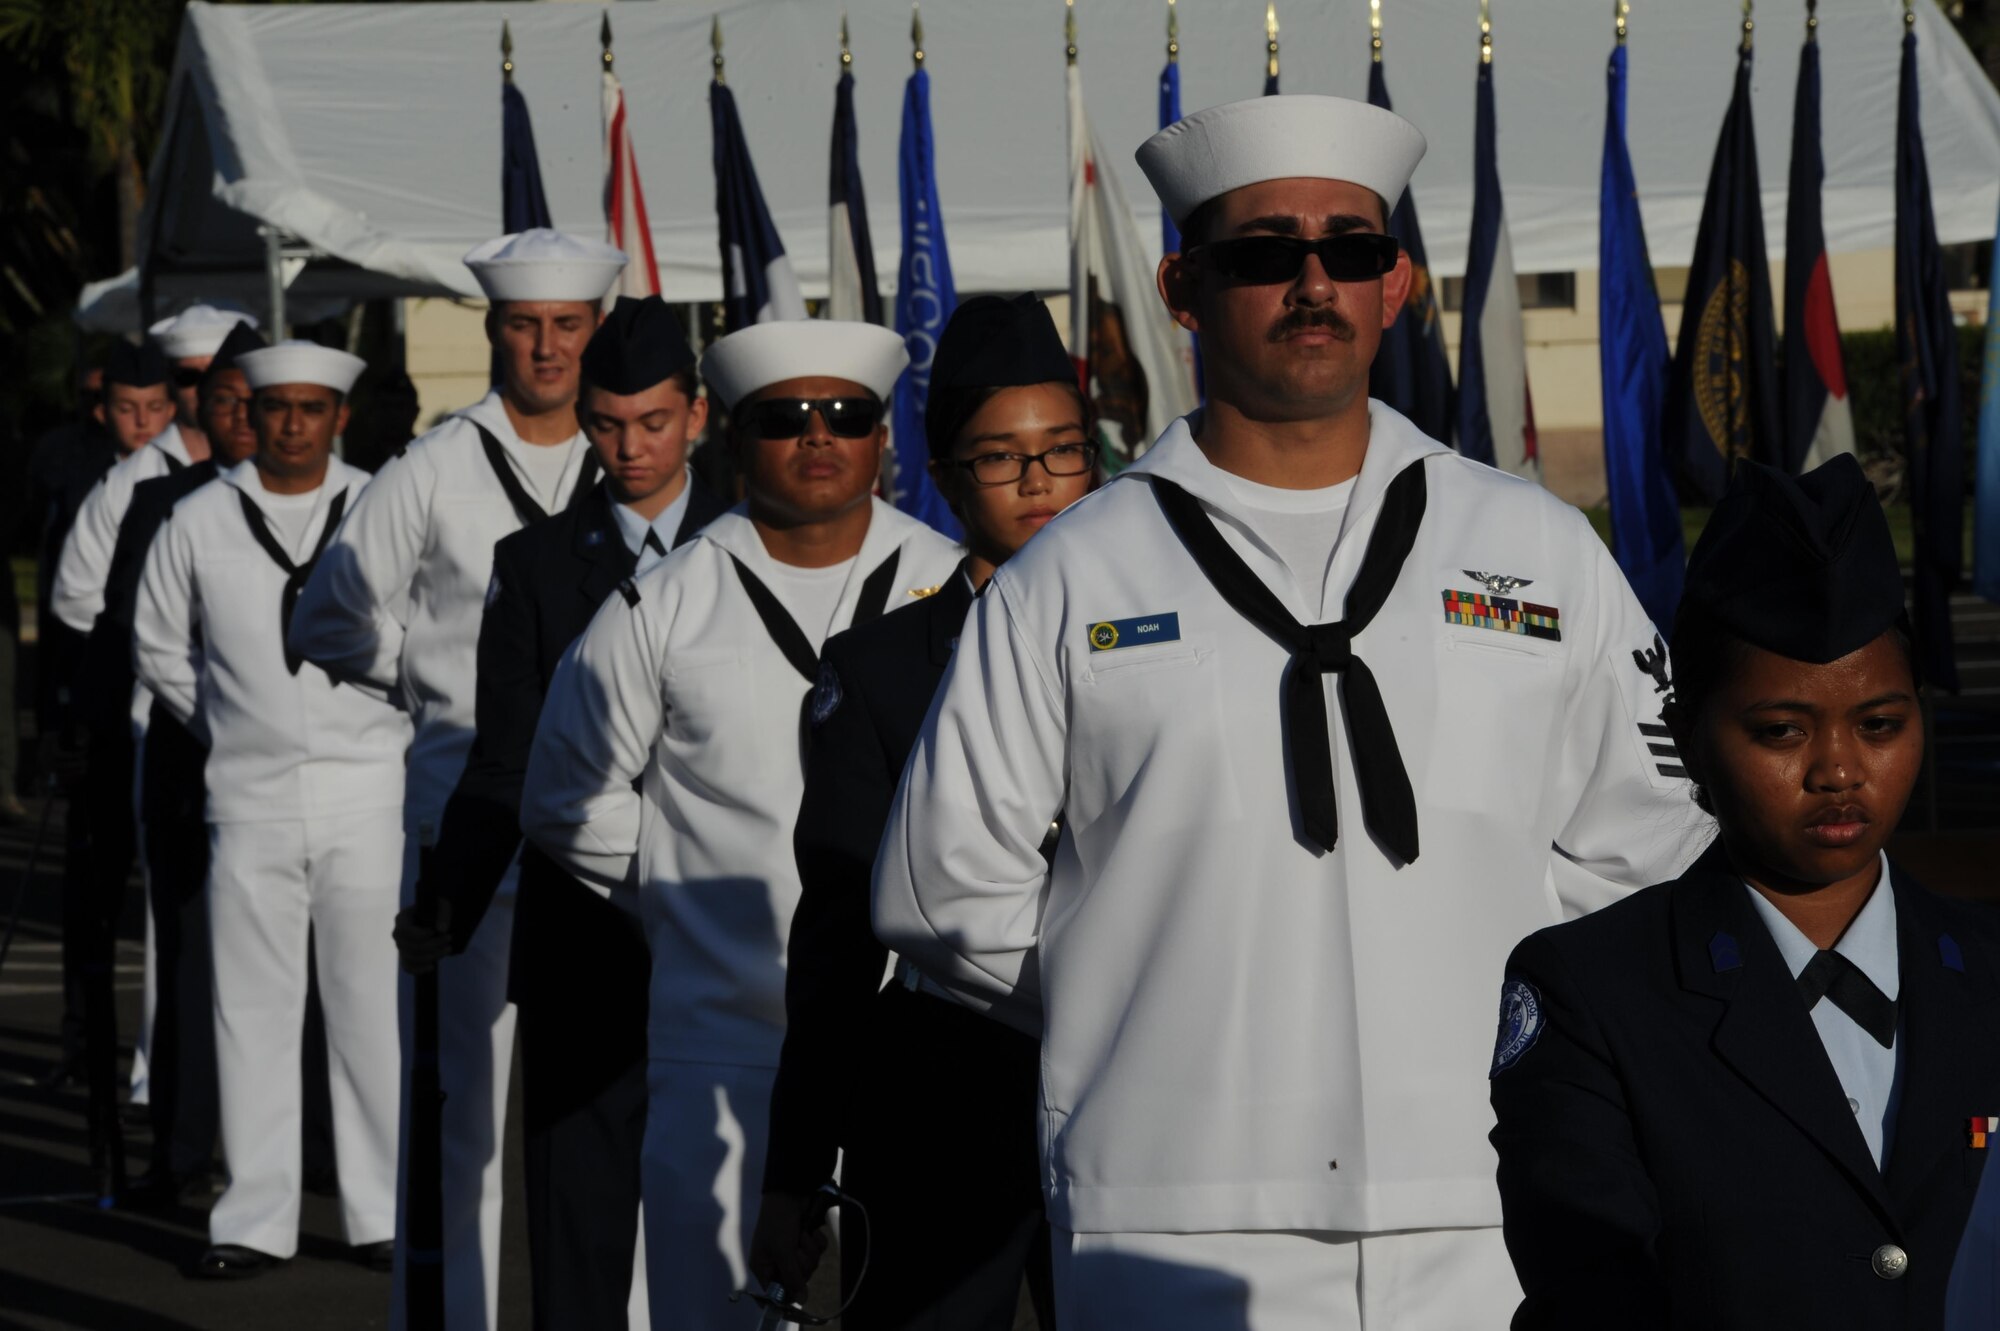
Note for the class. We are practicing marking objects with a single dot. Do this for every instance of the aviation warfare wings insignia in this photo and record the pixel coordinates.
(1498, 584)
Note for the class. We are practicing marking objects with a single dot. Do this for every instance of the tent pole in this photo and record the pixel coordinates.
(274, 272)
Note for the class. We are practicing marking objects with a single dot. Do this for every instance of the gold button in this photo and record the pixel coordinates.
(1890, 1262)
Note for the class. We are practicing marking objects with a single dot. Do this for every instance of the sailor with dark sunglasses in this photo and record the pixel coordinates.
(667, 766)
(1328, 712)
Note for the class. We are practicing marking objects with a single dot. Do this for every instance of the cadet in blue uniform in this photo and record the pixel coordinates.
(1756, 1096)
(579, 968)
(939, 1127)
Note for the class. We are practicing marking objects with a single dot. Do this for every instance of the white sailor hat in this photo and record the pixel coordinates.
(541, 264)
(1289, 135)
(767, 353)
(196, 331)
(301, 363)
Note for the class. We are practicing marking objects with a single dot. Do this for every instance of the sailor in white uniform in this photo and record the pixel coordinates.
(668, 759)
(304, 810)
(1328, 714)
(189, 341)
(396, 602)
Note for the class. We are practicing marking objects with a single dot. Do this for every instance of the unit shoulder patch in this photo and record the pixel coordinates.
(827, 695)
(1521, 1023)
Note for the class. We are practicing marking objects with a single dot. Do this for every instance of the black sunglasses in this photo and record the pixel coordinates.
(1358, 256)
(789, 417)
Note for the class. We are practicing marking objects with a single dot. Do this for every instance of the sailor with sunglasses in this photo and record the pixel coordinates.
(667, 766)
(1329, 713)
(395, 605)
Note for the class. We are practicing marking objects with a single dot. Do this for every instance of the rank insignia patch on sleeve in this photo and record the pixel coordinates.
(1521, 1022)
(1482, 610)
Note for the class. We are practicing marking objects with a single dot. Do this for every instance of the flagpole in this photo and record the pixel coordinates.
(715, 42)
(1485, 32)
(1069, 30)
(1750, 26)
(1173, 34)
(506, 52)
(604, 40)
(1270, 47)
(1375, 32)
(1621, 10)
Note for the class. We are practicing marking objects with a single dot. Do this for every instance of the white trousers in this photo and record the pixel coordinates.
(272, 886)
(707, 1126)
(142, 1039)
(475, 1058)
(1418, 1280)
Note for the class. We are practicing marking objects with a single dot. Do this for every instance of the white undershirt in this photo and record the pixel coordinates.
(544, 464)
(1301, 525)
(810, 595)
(288, 516)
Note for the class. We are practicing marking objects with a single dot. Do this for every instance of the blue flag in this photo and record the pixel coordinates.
(522, 204)
(1927, 350)
(850, 256)
(1411, 372)
(1986, 495)
(925, 298)
(758, 284)
(1632, 348)
(1724, 398)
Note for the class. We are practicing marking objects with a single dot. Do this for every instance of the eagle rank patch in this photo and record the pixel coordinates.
(826, 695)
(1521, 1023)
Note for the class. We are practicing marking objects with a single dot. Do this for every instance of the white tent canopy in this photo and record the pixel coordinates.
(370, 134)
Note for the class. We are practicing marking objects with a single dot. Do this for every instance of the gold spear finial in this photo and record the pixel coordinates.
(1270, 39)
(1749, 27)
(1909, 15)
(916, 35)
(506, 51)
(604, 39)
(1622, 10)
(1485, 32)
(1173, 34)
(846, 56)
(1812, 20)
(715, 41)
(1069, 29)
(1375, 31)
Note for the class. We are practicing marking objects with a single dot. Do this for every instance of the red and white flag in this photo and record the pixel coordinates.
(624, 201)
(1134, 362)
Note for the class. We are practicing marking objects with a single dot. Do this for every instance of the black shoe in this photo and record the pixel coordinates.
(107, 1162)
(233, 1261)
(61, 1075)
(377, 1256)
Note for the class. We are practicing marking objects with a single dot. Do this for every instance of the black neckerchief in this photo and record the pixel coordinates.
(1388, 806)
(295, 574)
(784, 630)
(525, 507)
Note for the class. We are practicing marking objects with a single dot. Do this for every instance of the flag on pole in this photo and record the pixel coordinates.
(1170, 112)
(1723, 398)
(523, 206)
(1927, 350)
(1496, 417)
(1632, 350)
(1818, 421)
(1411, 371)
(925, 298)
(758, 284)
(851, 290)
(1132, 359)
(1986, 493)
(625, 222)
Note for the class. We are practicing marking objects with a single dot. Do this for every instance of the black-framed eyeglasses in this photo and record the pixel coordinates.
(1008, 468)
(1357, 256)
(790, 417)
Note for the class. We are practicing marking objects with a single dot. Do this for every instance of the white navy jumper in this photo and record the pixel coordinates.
(668, 758)
(77, 596)
(1242, 1032)
(305, 783)
(395, 604)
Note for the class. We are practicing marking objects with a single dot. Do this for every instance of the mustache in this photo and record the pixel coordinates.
(1300, 320)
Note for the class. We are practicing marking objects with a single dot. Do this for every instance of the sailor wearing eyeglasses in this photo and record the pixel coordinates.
(668, 761)
(1328, 713)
